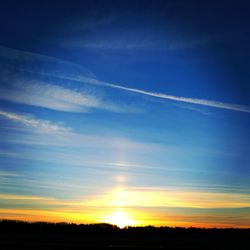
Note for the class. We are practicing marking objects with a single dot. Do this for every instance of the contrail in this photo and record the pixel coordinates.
(203, 102)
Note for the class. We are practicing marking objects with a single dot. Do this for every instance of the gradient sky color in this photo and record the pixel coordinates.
(126, 112)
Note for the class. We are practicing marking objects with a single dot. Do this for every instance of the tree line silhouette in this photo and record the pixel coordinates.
(43, 235)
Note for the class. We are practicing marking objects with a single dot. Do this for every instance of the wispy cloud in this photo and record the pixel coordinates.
(7, 173)
(31, 122)
(34, 62)
(89, 23)
(42, 94)
(35, 79)
(169, 36)
(75, 142)
(143, 42)
(169, 198)
(61, 98)
(22, 197)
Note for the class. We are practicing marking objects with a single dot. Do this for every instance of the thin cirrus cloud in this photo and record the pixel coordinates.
(55, 97)
(37, 63)
(143, 41)
(163, 38)
(31, 122)
(42, 94)
(66, 99)
(153, 198)
(71, 139)
(33, 79)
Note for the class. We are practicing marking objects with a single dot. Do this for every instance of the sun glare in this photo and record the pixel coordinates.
(120, 218)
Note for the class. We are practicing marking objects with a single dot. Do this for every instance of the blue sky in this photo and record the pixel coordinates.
(136, 105)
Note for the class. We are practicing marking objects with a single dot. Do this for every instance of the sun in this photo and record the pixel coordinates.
(120, 218)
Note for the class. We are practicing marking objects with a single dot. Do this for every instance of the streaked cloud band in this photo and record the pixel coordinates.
(75, 101)
(204, 102)
(31, 122)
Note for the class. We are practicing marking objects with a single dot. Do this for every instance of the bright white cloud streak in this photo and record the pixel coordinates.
(204, 102)
(31, 122)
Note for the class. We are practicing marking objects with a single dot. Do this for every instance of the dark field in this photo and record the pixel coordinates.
(40, 235)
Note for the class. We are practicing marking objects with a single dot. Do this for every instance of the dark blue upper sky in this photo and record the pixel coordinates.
(153, 93)
(182, 40)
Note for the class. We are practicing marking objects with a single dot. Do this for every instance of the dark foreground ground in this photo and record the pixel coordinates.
(40, 235)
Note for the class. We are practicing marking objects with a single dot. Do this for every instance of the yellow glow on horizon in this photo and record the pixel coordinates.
(121, 218)
(124, 206)
(125, 197)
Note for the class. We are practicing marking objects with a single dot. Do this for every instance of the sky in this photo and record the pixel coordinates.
(125, 112)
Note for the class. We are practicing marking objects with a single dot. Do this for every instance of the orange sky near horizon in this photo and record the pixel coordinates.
(134, 207)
